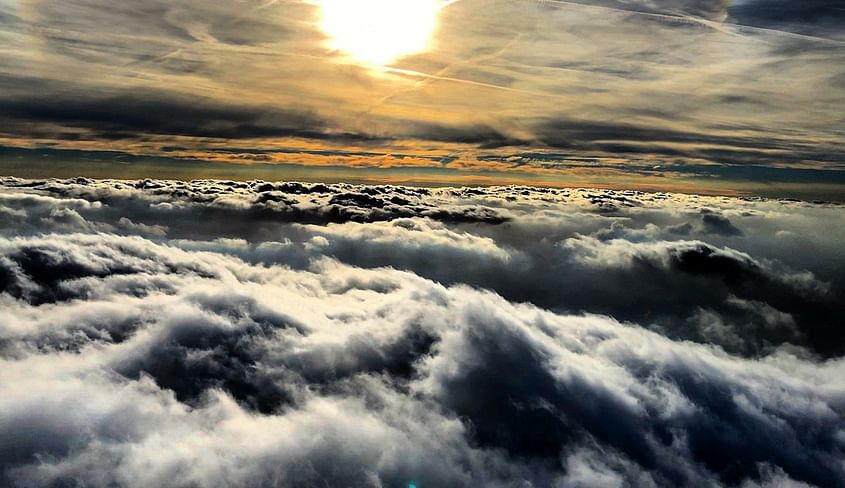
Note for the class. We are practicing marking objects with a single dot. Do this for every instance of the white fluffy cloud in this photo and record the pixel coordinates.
(367, 353)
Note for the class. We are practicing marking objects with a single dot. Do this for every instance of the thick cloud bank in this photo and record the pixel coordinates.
(212, 334)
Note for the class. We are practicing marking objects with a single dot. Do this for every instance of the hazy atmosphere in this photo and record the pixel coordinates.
(422, 244)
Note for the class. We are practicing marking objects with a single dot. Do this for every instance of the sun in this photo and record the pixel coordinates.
(379, 32)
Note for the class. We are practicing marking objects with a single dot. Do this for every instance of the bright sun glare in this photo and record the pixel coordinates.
(378, 32)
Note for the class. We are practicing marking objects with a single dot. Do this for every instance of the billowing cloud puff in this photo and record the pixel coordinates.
(249, 334)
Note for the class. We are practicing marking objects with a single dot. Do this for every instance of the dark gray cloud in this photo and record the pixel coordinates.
(814, 17)
(723, 146)
(132, 115)
(214, 333)
(717, 224)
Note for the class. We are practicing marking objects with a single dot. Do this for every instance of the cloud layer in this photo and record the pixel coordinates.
(648, 94)
(219, 333)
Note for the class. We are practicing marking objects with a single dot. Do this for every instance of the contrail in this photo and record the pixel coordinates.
(420, 74)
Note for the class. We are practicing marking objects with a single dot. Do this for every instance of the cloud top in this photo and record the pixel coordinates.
(253, 334)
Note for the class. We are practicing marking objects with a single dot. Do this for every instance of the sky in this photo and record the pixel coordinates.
(422, 243)
(685, 95)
